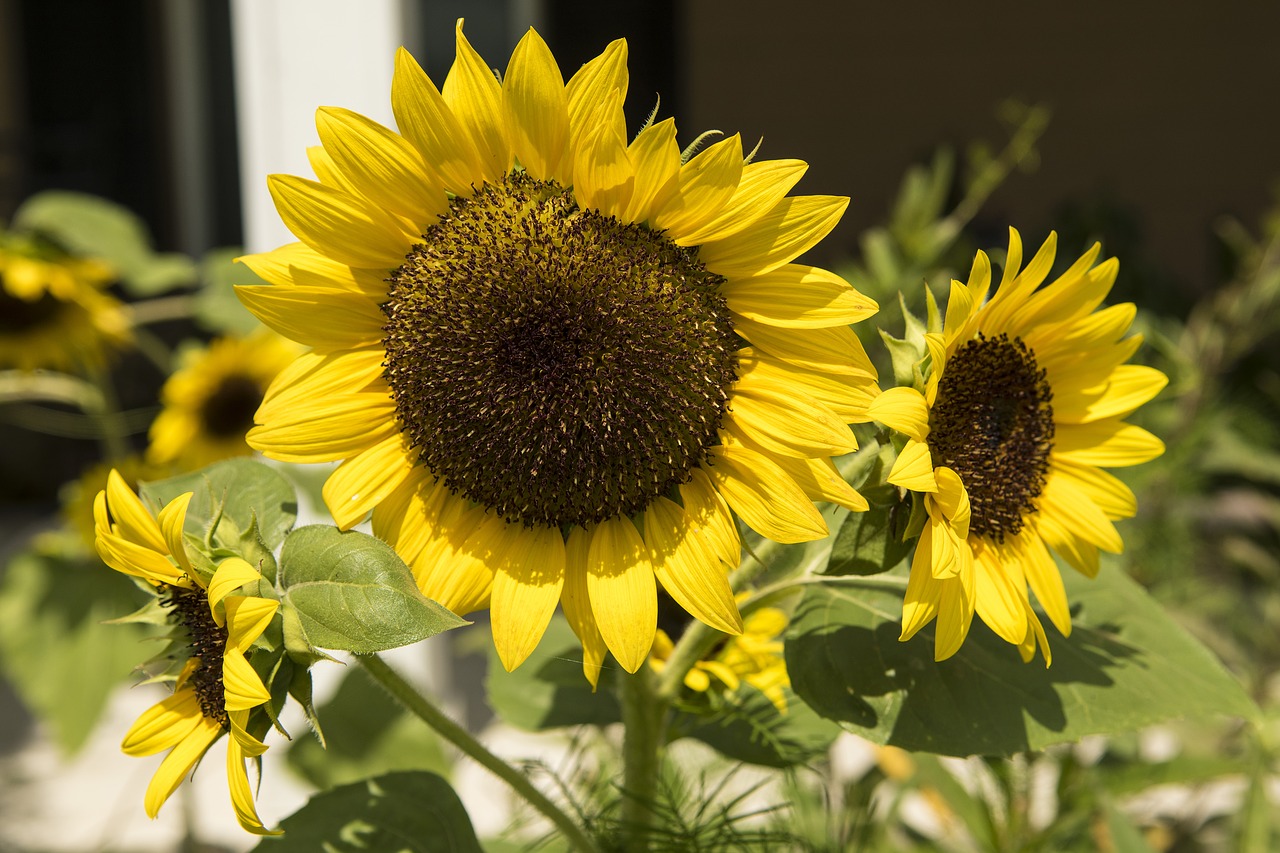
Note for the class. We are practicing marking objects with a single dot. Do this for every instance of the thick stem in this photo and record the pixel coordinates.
(418, 705)
(644, 717)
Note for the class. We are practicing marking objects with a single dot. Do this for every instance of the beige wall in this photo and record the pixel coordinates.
(1170, 107)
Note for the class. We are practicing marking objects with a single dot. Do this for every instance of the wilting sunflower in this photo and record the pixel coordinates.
(53, 311)
(217, 688)
(210, 400)
(754, 656)
(552, 360)
(1023, 407)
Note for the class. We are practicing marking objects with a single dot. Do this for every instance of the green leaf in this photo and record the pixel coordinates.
(240, 505)
(366, 731)
(752, 730)
(548, 690)
(350, 591)
(54, 646)
(411, 812)
(1126, 665)
(870, 542)
(217, 308)
(1123, 836)
(94, 227)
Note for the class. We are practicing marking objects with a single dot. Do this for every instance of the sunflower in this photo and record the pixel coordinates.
(217, 688)
(753, 657)
(53, 311)
(553, 361)
(1023, 407)
(210, 400)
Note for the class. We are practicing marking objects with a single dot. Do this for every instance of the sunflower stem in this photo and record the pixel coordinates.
(644, 716)
(421, 707)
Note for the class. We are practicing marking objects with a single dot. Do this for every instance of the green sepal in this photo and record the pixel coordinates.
(905, 358)
(351, 591)
(933, 319)
(300, 688)
(151, 613)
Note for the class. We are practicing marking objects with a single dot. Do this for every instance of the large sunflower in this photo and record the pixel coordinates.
(217, 688)
(54, 312)
(552, 360)
(1023, 407)
(210, 400)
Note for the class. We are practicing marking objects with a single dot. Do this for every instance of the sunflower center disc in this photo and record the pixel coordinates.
(208, 644)
(992, 423)
(228, 411)
(554, 364)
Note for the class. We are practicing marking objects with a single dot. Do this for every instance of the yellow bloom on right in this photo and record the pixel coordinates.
(1023, 406)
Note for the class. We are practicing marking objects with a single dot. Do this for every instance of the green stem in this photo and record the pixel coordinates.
(643, 720)
(420, 707)
(164, 308)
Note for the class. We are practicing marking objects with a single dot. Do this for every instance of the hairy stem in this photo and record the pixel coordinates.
(644, 719)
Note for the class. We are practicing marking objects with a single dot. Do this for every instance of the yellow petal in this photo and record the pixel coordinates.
(832, 349)
(795, 296)
(591, 85)
(1068, 504)
(687, 568)
(1114, 498)
(178, 764)
(133, 520)
(903, 409)
(337, 225)
(382, 165)
(786, 421)
(1080, 555)
(847, 395)
(1130, 386)
(920, 601)
(473, 93)
(365, 480)
(708, 512)
(623, 593)
(707, 182)
(953, 499)
(656, 159)
(527, 585)
(1001, 601)
(820, 481)
(764, 497)
(171, 519)
(913, 469)
(603, 176)
(1106, 444)
(242, 793)
(244, 689)
(576, 601)
(956, 603)
(456, 568)
(135, 560)
(326, 319)
(232, 574)
(164, 724)
(1045, 580)
(537, 109)
(762, 186)
(791, 228)
(327, 430)
(297, 264)
(427, 122)
(247, 617)
(321, 376)
(406, 518)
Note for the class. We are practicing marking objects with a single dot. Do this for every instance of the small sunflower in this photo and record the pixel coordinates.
(217, 688)
(210, 400)
(553, 361)
(754, 656)
(53, 311)
(1023, 407)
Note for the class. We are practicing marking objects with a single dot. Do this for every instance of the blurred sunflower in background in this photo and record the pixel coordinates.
(753, 657)
(209, 401)
(216, 689)
(1023, 406)
(527, 349)
(54, 313)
